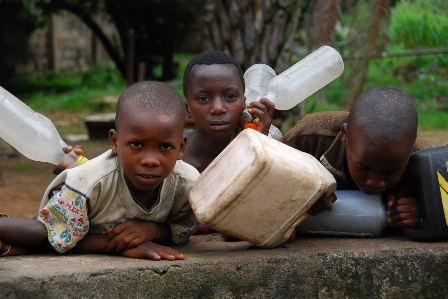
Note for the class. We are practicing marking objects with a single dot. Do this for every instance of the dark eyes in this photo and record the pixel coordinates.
(390, 172)
(136, 144)
(230, 97)
(393, 172)
(227, 97)
(165, 146)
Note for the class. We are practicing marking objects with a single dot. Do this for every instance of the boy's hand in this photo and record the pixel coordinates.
(324, 203)
(264, 110)
(133, 233)
(153, 251)
(63, 165)
(404, 211)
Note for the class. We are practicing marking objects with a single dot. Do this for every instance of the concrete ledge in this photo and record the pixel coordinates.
(392, 266)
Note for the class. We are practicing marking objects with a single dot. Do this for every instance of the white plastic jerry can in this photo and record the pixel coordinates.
(259, 189)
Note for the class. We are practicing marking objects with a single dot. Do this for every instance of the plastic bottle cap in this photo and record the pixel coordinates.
(81, 160)
(250, 125)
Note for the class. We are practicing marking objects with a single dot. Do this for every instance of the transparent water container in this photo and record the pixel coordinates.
(31, 133)
(354, 214)
(304, 78)
(256, 80)
(259, 189)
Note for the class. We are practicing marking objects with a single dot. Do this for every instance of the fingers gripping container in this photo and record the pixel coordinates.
(426, 178)
(259, 189)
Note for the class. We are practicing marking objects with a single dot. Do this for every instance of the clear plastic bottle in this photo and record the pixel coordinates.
(256, 80)
(304, 78)
(354, 214)
(31, 133)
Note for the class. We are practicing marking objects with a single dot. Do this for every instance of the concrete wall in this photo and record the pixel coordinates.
(67, 46)
(309, 267)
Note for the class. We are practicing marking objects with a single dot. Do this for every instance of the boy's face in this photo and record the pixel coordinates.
(147, 146)
(374, 165)
(215, 99)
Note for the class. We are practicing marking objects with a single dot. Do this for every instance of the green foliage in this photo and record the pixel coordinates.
(49, 82)
(430, 118)
(420, 23)
(82, 98)
(55, 92)
(102, 76)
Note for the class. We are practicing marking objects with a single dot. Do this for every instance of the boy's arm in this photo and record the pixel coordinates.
(22, 231)
(97, 244)
(133, 233)
(91, 243)
(20, 236)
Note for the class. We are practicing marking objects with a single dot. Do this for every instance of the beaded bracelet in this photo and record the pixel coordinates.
(4, 251)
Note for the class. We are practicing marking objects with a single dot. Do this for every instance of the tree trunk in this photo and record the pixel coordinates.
(254, 31)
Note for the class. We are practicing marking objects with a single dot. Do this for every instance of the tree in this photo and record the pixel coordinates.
(256, 31)
(16, 24)
(148, 30)
(368, 38)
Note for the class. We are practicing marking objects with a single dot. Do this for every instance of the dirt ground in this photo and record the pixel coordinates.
(24, 181)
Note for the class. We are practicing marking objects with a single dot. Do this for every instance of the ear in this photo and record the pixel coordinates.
(344, 134)
(182, 146)
(187, 110)
(113, 138)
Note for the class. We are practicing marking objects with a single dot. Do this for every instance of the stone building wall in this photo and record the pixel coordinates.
(67, 46)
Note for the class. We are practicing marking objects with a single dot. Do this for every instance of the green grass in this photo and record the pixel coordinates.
(430, 119)
(71, 93)
(82, 98)
(51, 82)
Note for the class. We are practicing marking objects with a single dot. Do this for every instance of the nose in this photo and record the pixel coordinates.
(375, 181)
(150, 158)
(218, 107)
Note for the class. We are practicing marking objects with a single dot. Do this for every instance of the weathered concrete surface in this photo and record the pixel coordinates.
(392, 266)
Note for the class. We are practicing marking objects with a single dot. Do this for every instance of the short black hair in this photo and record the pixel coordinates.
(386, 113)
(158, 97)
(210, 58)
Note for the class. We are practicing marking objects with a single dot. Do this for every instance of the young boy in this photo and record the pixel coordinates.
(213, 84)
(368, 148)
(93, 206)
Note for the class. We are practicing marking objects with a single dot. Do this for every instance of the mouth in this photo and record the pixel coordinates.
(219, 124)
(148, 178)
